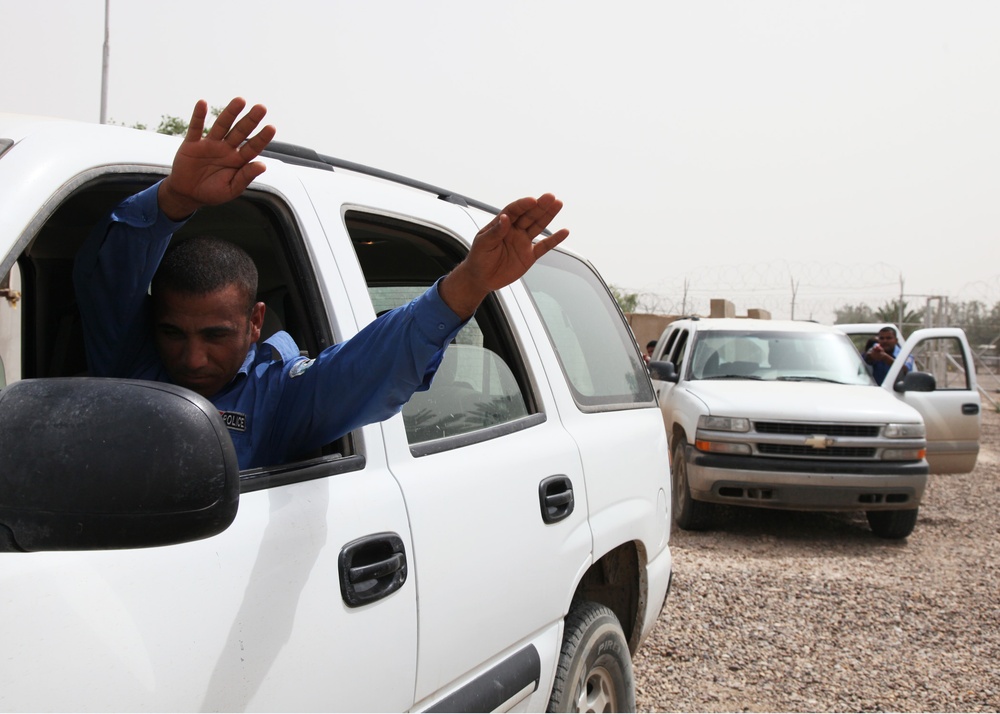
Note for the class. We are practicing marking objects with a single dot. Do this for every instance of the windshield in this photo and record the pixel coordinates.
(781, 356)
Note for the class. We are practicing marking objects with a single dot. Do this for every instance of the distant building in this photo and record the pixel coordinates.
(648, 327)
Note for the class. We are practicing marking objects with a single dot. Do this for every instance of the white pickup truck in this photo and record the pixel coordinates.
(500, 545)
(784, 414)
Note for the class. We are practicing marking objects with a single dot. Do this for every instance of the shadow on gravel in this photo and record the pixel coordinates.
(737, 526)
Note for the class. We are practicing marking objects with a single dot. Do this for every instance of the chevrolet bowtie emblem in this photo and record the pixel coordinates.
(820, 442)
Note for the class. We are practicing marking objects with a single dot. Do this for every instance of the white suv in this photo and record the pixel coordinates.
(501, 544)
(782, 414)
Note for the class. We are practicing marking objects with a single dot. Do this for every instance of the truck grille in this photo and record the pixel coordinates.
(807, 429)
(834, 452)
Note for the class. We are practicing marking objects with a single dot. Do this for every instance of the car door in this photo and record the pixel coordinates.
(673, 352)
(492, 482)
(951, 411)
(255, 618)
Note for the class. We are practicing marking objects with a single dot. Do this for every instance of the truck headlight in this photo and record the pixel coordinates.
(904, 454)
(905, 431)
(720, 423)
(722, 447)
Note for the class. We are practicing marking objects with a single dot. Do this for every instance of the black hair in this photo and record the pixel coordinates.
(202, 264)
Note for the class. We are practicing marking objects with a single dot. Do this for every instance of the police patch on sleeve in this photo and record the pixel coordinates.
(299, 368)
(234, 421)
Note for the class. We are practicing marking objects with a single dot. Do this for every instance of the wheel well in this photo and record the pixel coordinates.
(618, 580)
(677, 436)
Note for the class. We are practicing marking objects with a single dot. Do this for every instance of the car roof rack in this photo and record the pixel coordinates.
(303, 156)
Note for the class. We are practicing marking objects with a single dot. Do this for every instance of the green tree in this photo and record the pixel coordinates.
(626, 301)
(982, 325)
(854, 313)
(891, 311)
(173, 125)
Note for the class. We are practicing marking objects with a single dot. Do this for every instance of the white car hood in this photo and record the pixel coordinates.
(801, 401)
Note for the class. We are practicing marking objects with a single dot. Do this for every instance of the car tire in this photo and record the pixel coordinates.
(892, 524)
(594, 673)
(689, 514)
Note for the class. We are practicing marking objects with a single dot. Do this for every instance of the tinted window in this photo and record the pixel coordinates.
(670, 341)
(677, 356)
(592, 341)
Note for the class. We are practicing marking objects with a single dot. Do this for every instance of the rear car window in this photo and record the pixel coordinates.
(595, 348)
(481, 387)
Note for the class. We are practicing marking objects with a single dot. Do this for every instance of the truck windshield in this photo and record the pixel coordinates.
(780, 356)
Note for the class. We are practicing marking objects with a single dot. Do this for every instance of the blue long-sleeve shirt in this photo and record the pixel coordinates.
(880, 370)
(280, 404)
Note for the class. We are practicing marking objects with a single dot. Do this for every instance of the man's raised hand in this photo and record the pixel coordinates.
(216, 168)
(502, 252)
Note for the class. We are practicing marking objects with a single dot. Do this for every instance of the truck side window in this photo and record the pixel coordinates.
(481, 381)
(670, 343)
(593, 343)
(945, 359)
(677, 356)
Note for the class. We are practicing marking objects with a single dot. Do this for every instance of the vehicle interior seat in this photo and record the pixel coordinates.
(711, 366)
(782, 356)
(472, 389)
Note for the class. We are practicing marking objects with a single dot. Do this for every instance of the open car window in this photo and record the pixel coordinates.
(49, 329)
(481, 388)
(945, 358)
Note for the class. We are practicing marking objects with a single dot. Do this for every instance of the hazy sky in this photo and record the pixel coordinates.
(703, 149)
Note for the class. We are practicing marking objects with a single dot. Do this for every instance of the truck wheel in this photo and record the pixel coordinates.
(689, 514)
(595, 667)
(892, 524)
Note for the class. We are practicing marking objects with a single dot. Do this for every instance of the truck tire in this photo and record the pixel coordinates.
(689, 514)
(594, 673)
(892, 524)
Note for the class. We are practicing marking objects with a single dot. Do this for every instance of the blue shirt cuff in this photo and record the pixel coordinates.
(142, 210)
(434, 317)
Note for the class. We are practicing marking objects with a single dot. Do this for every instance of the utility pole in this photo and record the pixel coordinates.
(104, 63)
(795, 289)
(901, 292)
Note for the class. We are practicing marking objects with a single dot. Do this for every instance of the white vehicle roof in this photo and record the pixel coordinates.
(750, 324)
(79, 146)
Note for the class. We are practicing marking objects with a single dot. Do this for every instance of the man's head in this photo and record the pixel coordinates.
(650, 346)
(887, 339)
(205, 314)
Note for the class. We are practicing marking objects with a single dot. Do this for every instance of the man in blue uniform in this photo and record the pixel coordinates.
(883, 353)
(199, 324)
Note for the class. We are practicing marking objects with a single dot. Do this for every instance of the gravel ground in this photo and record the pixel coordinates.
(798, 612)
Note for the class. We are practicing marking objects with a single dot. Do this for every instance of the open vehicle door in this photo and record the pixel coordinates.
(951, 409)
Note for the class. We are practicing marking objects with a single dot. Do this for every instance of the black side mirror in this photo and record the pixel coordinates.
(916, 382)
(663, 371)
(92, 464)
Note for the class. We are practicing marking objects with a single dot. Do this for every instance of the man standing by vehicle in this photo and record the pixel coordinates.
(883, 355)
(199, 325)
